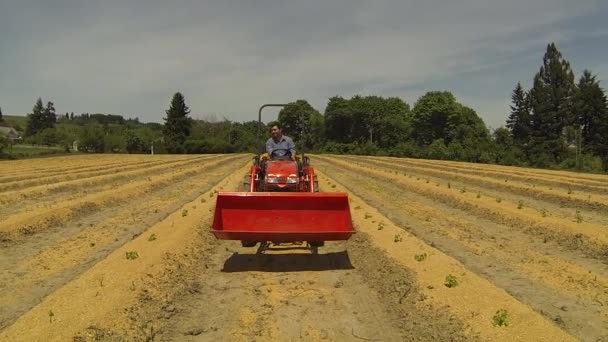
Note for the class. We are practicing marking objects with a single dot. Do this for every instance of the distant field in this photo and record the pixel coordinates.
(28, 151)
(15, 121)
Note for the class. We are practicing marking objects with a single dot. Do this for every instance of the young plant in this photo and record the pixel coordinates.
(398, 238)
(420, 257)
(579, 216)
(152, 237)
(184, 212)
(132, 255)
(451, 281)
(520, 204)
(501, 317)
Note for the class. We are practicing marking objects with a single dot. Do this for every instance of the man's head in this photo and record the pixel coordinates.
(275, 130)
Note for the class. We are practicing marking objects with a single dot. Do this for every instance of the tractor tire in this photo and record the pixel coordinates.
(247, 244)
(246, 183)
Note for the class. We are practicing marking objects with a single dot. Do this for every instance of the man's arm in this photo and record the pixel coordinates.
(292, 148)
(269, 147)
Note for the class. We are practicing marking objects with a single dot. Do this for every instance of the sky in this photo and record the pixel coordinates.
(229, 57)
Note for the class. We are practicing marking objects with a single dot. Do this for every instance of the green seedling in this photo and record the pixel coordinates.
(501, 317)
(398, 238)
(579, 217)
(152, 237)
(184, 212)
(132, 255)
(380, 225)
(420, 257)
(451, 281)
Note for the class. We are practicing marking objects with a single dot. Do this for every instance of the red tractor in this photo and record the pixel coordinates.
(280, 204)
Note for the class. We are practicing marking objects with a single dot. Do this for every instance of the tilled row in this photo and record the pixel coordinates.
(36, 267)
(588, 238)
(87, 183)
(104, 295)
(29, 180)
(555, 281)
(522, 173)
(583, 197)
(22, 169)
(28, 223)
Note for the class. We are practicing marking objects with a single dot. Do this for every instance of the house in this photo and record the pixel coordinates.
(11, 133)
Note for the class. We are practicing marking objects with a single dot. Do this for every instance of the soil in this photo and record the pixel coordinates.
(131, 258)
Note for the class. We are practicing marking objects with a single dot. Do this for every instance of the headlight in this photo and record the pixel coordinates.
(271, 179)
(292, 179)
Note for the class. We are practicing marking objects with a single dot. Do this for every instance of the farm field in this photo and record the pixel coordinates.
(116, 247)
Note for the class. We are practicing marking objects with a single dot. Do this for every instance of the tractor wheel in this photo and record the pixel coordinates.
(246, 243)
(316, 184)
(246, 183)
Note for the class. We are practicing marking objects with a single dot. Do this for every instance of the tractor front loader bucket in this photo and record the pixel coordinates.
(282, 217)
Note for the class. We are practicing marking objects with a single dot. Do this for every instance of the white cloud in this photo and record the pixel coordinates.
(228, 58)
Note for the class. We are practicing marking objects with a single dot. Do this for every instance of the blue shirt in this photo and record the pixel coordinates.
(284, 144)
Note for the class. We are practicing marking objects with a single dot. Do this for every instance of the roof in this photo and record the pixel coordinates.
(9, 132)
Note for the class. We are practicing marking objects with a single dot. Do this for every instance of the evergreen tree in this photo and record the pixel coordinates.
(178, 125)
(519, 120)
(35, 122)
(592, 113)
(50, 118)
(0, 114)
(551, 100)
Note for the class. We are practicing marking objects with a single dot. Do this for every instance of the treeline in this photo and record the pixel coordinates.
(557, 123)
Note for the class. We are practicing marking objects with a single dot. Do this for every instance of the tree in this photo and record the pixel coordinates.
(519, 121)
(430, 116)
(592, 114)
(301, 122)
(1, 114)
(338, 120)
(177, 124)
(50, 118)
(551, 102)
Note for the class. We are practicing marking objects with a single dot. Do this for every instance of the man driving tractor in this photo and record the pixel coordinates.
(279, 146)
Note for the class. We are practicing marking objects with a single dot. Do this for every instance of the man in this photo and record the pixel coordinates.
(279, 145)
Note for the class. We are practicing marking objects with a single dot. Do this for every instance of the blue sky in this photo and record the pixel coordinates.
(229, 57)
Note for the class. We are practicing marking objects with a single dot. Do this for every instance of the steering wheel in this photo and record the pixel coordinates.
(272, 155)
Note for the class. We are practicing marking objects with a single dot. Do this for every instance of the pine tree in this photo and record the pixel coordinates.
(551, 100)
(1, 114)
(35, 122)
(592, 114)
(520, 121)
(178, 125)
(50, 118)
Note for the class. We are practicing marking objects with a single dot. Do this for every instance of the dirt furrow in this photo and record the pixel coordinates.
(589, 200)
(41, 195)
(502, 172)
(545, 279)
(588, 238)
(27, 223)
(66, 165)
(36, 267)
(46, 180)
